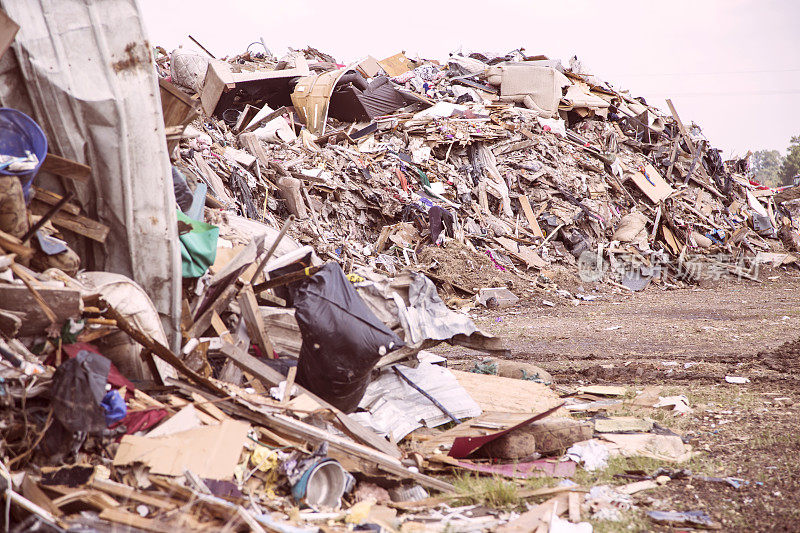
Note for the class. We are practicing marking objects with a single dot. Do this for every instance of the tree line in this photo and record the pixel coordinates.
(771, 169)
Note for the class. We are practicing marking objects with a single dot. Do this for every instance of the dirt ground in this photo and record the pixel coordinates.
(687, 340)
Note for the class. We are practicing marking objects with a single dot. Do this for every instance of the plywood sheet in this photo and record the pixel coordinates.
(651, 183)
(497, 394)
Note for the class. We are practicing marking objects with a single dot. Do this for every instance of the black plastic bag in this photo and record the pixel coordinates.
(342, 338)
(79, 385)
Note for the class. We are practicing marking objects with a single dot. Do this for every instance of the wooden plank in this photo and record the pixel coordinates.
(175, 92)
(650, 182)
(209, 408)
(51, 198)
(532, 222)
(159, 350)
(30, 283)
(11, 244)
(129, 493)
(499, 394)
(66, 168)
(95, 499)
(212, 179)
(523, 253)
(287, 393)
(134, 520)
(76, 223)
(64, 303)
(218, 79)
(32, 492)
(254, 321)
(203, 322)
(272, 377)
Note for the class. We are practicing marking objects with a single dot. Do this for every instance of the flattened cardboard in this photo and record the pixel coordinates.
(369, 67)
(210, 452)
(395, 65)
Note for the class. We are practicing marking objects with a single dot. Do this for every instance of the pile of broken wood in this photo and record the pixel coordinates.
(533, 193)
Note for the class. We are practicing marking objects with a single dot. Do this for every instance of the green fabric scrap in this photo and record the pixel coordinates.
(198, 245)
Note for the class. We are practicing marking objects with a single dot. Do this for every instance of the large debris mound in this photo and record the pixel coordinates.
(539, 163)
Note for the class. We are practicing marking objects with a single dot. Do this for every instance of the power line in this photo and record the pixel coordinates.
(731, 93)
(707, 73)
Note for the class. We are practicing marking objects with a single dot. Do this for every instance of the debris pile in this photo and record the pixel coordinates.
(517, 168)
(239, 337)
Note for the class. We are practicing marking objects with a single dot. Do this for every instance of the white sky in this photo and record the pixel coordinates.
(732, 66)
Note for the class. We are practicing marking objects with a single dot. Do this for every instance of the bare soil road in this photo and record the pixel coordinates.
(687, 340)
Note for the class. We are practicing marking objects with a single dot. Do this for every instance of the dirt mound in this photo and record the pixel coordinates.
(785, 358)
(467, 269)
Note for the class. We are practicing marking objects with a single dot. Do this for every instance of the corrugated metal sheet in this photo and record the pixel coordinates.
(87, 68)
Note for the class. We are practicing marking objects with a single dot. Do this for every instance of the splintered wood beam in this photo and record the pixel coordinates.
(67, 168)
(254, 321)
(76, 223)
(270, 376)
(159, 350)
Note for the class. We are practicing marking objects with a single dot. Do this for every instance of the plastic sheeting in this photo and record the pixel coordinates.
(411, 302)
(84, 72)
(395, 408)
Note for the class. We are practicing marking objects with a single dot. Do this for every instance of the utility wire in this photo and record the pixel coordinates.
(708, 73)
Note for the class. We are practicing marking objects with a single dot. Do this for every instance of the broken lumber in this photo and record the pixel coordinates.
(62, 303)
(66, 168)
(272, 377)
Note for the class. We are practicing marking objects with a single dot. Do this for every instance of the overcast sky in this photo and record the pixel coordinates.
(732, 66)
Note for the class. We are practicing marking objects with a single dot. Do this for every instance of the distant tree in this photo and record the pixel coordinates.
(766, 166)
(791, 163)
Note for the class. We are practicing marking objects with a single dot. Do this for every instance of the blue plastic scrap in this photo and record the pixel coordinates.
(114, 406)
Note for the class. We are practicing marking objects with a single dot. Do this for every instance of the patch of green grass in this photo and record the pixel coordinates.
(668, 419)
(493, 491)
(618, 465)
(534, 483)
(722, 396)
(630, 394)
(772, 436)
(634, 520)
(705, 464)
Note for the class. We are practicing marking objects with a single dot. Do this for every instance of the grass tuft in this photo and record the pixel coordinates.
(490, 491)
